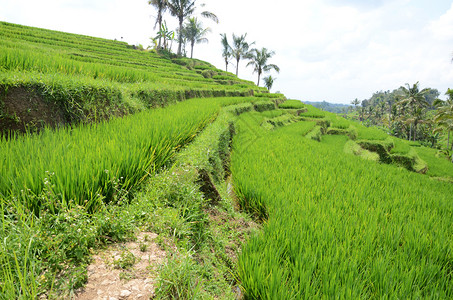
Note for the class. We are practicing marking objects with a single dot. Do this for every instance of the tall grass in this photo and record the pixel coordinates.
(337, 226)
(33, 49)
(86, 164)
(292, 104)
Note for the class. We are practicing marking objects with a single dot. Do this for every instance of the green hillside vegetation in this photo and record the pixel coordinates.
(66, 191)
(57, 78)
(251, 195)
(336, 225)
(411, 113)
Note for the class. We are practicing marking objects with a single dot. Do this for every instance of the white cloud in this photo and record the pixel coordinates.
(442, 28)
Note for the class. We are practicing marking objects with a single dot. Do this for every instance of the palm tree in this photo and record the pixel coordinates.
(444, 118)
(240, 49)
(269, 82)
(414, 101)
(183, 9)
(226, 54)
(258, 59)
(194, 32)
(362, 111)
(355, 102)
(161, 6)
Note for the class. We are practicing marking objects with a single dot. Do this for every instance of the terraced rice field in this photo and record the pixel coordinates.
(336, 225)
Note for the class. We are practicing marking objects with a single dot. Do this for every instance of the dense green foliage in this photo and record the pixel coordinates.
(296, 104)
(33, 49)
(336, 225)
(409, 112)
(83, 164)
(345, 210)
(89, 79)
(64, 192)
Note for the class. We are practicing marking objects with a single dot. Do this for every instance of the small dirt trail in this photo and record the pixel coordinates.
(124, 271)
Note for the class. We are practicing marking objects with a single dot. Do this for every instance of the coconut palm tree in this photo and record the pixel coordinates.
(413, 102)
(269, 82)
(161, 6)
(183, 9)
(240, 49)
(194, 32)
(226, 54)
(258, 59)
(355, 102)
(444, 118)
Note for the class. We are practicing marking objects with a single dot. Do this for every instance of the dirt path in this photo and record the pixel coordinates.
(124, 271)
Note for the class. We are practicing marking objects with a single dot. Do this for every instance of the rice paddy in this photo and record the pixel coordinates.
(335, 225)
(342, 214)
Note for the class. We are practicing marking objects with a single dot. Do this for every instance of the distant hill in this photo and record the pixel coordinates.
(330, 107)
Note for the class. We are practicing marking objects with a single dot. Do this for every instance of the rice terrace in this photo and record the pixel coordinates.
(143, 173)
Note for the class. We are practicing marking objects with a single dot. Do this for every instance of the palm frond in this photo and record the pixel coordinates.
(210, 15)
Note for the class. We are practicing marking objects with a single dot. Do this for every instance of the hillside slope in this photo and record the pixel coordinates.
(54, 78)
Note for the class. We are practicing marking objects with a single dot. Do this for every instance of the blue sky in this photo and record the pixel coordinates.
(332, 50)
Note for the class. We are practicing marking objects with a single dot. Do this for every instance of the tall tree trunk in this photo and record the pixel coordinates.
(160, 36)
(415, 131)
(191, 48)
(452, 152)
(448, 138)
(180, 35)
(237, 66)
(258, 83)
(410, 132)
(226, 65)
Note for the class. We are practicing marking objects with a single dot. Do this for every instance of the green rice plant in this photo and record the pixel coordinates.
(370, 133)
(86, 164)
(273, 113)
(401, 147)
(313, 112)
(51, 59)
(410, 161)
(352, 147)
(240, 108)
(337, 226)
(339, 122)
(315, 134)
(35, 251)
(264, 105)
(438, 164)
(292, 104)
(278, 121)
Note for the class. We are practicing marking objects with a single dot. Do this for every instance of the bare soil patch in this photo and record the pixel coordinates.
(108, 280)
